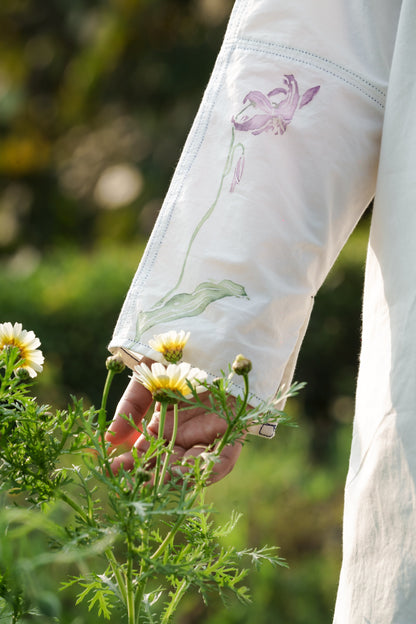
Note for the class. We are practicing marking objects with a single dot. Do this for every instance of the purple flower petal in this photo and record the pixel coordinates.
(287, 107)
(256, 98)
(240, 168)
(308, 96)
(276, 91)
(272, 115)
(238, 173)
(255, 124)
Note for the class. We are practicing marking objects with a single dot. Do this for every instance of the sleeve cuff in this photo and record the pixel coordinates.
(132, 358)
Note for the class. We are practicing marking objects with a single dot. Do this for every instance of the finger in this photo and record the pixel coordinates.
(228, 458)
(181, 461)
(187, 410)
(195, 426)
(201, 429)
(135, 402)
(124, 461)
(127, 461)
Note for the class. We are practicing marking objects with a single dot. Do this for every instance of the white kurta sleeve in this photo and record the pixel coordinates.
(278, 167)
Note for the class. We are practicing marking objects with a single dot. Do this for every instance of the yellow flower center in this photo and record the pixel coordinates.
(12, 342)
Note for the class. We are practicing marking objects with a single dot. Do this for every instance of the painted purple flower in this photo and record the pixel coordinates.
(274, 111)
(238, 173)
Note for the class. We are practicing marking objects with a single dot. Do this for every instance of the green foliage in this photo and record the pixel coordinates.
(125, 530)
(280, 486)
(283, 498)
(72, 301)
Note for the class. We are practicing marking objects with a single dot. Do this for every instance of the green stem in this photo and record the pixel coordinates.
(75, 507)
(131, 611)
(170, 448)
(174, 602)
(108, 552)
(169, 537)
(204, 218)
(11, 359)
(138, 598)
(224, 439)
(102, 420)
(245, 398)
(116, 571)
(102, 413)
(163, 410)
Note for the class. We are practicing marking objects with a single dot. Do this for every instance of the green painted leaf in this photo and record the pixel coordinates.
(185, 305)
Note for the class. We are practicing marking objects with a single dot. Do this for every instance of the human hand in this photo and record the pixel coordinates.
(197, 431)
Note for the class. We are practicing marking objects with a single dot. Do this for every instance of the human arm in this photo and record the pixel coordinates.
(279, 166)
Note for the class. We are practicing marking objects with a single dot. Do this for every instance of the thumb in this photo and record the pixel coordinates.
(134, 403)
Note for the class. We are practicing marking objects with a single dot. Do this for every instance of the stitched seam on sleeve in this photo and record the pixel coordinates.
(126, 344)
(319, 58)
(200, 126)
(367, 88)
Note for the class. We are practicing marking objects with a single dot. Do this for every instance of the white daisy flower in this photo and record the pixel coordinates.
(26, 342)
(170, 344)
(172, 378)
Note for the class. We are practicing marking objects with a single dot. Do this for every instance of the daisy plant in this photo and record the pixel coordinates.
(30, 358)
(139, 538)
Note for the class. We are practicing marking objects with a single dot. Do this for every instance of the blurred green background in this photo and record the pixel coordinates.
(96, 99)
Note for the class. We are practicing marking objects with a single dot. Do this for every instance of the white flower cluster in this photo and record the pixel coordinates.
(176, 377)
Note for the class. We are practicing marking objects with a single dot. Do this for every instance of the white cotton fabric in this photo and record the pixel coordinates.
(261, 227)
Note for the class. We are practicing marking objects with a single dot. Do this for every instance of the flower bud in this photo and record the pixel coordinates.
(22, 374)
(115, 363)
(163, 395)
(241, 365)
(143, 475)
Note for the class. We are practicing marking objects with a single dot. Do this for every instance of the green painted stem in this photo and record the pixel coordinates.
(204, 218)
